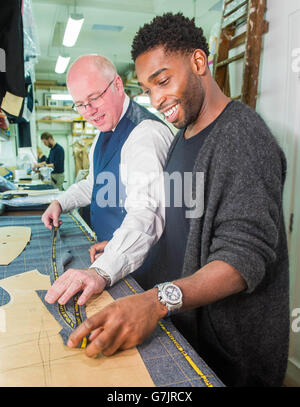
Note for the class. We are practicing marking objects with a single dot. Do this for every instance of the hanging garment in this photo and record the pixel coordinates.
(81, 157)
(12, 80)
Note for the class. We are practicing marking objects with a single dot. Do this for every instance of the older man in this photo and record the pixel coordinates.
(222, 275)
(124, 185)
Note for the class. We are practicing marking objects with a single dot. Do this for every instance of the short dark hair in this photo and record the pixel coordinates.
(174, 32)
(46, 136)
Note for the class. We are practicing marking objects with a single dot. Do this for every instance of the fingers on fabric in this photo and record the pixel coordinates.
(108, 342)
(106, 339)
(87, 293)
(98, 247)
(51, 215)
(121, 325)
(73, 281)
(92, 252)
(46, 219)
(71, 290)
(57, 289)
(89, 325)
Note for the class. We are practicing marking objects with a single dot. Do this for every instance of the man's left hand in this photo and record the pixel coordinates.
(97, 250)
(73, 281)
(121, 325)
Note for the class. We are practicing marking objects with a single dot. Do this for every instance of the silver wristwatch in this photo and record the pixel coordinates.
(170, 295)
(104, 275)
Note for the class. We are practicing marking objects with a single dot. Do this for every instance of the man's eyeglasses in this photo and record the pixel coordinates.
(92, 102)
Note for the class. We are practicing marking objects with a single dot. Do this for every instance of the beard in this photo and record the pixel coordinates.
(191, 101)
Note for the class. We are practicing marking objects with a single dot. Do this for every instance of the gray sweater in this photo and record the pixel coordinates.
(245, 336)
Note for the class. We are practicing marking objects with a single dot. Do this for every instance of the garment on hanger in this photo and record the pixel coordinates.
(81, 156)
(12, 80)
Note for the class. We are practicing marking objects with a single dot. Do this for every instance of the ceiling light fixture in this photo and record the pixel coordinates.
(61, 64)
(73, 28)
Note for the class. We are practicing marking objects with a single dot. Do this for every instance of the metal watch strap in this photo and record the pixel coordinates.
(170, 312)
(103, 274)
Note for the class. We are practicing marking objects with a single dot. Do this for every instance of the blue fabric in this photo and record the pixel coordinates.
(108, 197)
(164, 361)
(71, 314)
(6, 185)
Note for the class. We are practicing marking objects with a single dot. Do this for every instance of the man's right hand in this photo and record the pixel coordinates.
(51, 215)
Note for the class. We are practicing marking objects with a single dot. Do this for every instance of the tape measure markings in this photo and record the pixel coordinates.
(61, 308)
(171, 337)
(179, 347)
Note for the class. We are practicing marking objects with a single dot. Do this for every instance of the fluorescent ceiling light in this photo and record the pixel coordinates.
(61, 96)
(73, 28)
(61, 64)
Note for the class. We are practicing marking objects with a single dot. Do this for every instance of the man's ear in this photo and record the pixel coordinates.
(199, 61)
(119, 84)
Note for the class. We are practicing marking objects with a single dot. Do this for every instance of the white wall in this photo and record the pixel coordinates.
(279, 105)
(8, 149)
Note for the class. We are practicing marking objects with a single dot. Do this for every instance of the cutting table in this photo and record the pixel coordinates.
(166, 356)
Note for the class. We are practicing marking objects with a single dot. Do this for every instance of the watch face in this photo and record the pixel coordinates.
(172, 293)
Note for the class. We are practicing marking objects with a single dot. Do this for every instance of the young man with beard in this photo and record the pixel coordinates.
(227, 267)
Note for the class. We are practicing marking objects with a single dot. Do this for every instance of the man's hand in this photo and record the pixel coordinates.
(96, 250)
(73, 281)
(121, 325)
(51, 215)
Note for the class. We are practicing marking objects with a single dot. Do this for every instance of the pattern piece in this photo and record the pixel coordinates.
(33, 354)
(13, 240)
(166, 353)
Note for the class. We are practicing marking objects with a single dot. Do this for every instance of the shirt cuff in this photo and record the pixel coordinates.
(63, 201)
(110, 263)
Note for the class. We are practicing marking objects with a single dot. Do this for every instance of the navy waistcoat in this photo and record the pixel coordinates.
(108, 197)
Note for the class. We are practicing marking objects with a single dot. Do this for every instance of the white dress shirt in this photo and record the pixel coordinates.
(143, 156)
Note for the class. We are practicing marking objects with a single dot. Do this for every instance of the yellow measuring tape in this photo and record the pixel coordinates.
(171, 337)
(86, 234)
(179, 347)
(61, 308)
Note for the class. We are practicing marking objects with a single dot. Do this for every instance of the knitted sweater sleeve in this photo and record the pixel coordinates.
(246, 181)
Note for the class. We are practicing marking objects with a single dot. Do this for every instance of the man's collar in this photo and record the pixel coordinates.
(125, 107)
